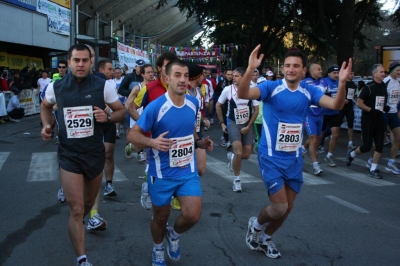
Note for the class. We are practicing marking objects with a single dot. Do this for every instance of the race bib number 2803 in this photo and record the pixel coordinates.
(78, 121)
(289, 137)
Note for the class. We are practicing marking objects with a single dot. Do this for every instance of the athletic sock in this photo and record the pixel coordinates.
(329, 155)
(93, 213)
(158, 246)
(315, 163)
(237, 178)
(350, 143)
(173, 234)
(256, 225)
(352, 154)
(81, 259)
(264, 237)
(391, 161)
(373, 166)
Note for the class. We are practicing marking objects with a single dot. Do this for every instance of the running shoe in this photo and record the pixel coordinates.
(255, 147)
(60, 195)
(392, 168)
(237, 187)
(212, 121)
(321, 150)
(349, 159)
(144, 176)
(317, 169)
(117, 135)
(268, 247)
(229, 155)
(223, 142)
(15, 120)
(109, 190)
(2, 120)
(228, 145)
(330, 161)
(175, 204)
(351, 147)
(145, 199)
(205, 128)
(57, 141)
(158, 257)
(368, 163)
(96, 223)
(375, 174)
(141, 157)
(303, 151)
(121, 130)
(173, 248)
(387, 141)
(252, 235)
(128, 151)
(85, 263)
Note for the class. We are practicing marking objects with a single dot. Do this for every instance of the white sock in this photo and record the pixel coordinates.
(350, 143)
(256, 225)
(158, 246)
(237, 178)
(173, 234)
(315, 163)
(373, 166)
(264, 237)
(352, 154)
(391, 161)
(370, 160)
(329, 154)
(81, 257)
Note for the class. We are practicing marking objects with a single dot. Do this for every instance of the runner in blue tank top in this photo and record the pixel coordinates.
(285, 105)
(171, 118)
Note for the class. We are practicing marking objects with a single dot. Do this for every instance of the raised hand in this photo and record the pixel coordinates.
(255, 61)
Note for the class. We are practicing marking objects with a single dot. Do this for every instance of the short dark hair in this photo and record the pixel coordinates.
(240, 70)
(176, 62)
(45, 71)
(170, 56)
(142, 68)
(102, 63)
(117, 68)
(78, 47)
(62, 62)
(296, 53)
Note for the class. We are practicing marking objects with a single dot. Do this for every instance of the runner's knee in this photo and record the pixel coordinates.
(277, 210)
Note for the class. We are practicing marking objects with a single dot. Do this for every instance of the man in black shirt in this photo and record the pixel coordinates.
(131, 80)
(372, 100)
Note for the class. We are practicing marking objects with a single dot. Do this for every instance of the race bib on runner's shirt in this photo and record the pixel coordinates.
(394, 97)
(289, 137)
(241, 115)
(181, 152)
(350, 94)
(379, 102)
(79, 121)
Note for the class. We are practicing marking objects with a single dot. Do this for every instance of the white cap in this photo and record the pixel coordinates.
(269, 73)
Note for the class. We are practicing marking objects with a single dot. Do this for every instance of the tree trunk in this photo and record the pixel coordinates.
(345, 39)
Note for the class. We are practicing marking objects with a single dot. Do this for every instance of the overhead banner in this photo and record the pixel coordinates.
(64, 3)
(28, 4)
(13, 61)
(204, 53)
(58, 17)
(128, 55)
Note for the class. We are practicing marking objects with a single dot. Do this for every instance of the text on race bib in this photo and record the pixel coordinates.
(78, 121)
(289, 137)
(181, 152)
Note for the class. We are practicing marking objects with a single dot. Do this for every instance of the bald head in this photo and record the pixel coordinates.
(315, 71)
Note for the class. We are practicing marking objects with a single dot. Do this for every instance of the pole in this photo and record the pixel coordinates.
(72, 24)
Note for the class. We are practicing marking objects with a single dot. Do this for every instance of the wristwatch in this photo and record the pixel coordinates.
(108, 118)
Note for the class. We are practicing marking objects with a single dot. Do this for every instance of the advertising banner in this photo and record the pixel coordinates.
(58, 26)
(20, 61)
(3, 59)
(28, 102)
(64, 3)
(28, 4)
(203, 53)
(128, 55)
(58, 17)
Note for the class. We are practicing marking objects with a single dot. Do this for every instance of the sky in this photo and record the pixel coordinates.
(388, 4)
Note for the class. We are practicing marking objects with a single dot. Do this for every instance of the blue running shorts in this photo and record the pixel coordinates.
(161, 190)
(276, 172)
(313, 124)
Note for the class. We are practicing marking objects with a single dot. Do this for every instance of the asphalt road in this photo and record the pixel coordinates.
(342, 217)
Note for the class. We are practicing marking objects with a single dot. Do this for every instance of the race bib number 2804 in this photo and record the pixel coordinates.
(182, 151)
(79, 121)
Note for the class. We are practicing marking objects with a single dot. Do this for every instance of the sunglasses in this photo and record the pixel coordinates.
(62, 67)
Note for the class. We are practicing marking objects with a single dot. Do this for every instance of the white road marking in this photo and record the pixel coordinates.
(44, 167)
(3, 158)
(118, 175)
(221, 168)
(347, 204)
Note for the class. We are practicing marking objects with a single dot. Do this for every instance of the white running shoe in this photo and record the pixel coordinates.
(368, 163)
(252, 236)
(330, 161)
(392, 168)
(237, 187)
(145, 199)
(128, 151)
(60, 195)
(142, 157)
(268, 247)
(317, 169)
(321, 150)
(96, 223)
(228, 145)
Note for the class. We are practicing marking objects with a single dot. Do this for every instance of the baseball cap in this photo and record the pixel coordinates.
(269, 73)
(140, 62)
